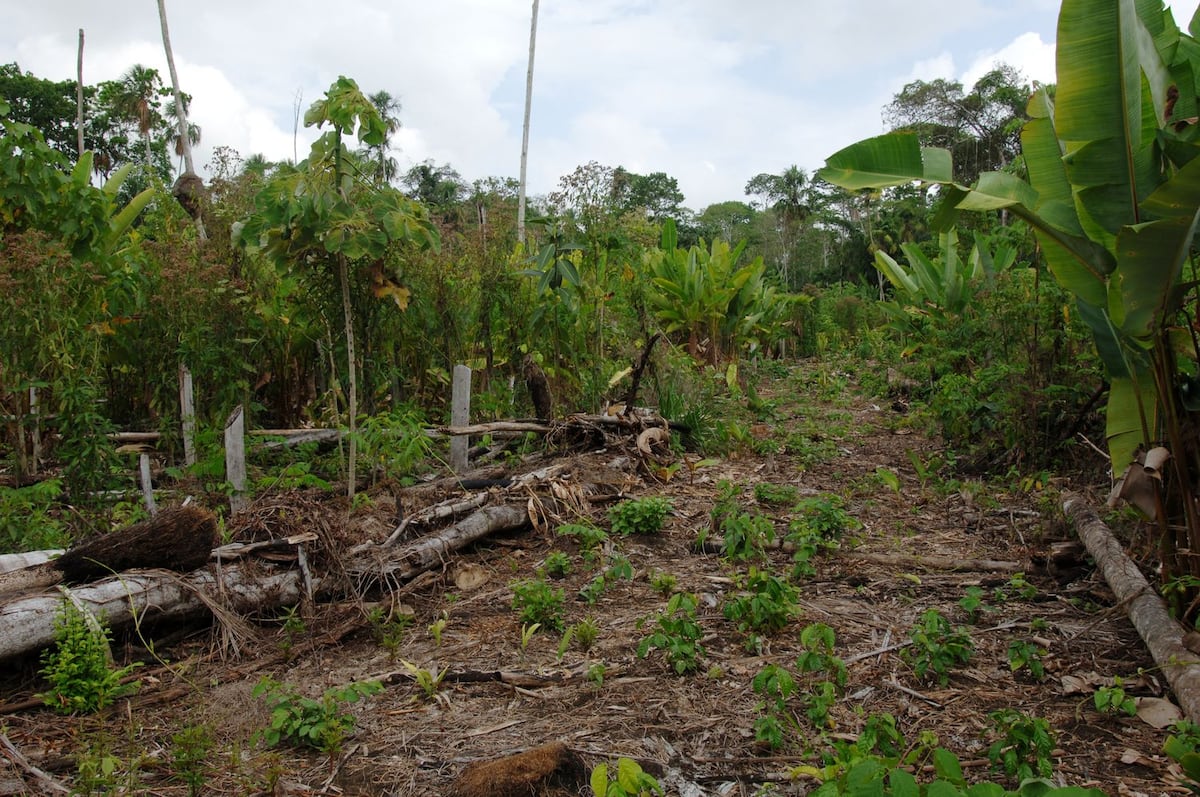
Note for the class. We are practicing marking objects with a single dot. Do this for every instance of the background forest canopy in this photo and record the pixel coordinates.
(103, 318)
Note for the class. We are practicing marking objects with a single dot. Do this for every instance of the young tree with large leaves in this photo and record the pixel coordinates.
(328, 214)
(1114, 197)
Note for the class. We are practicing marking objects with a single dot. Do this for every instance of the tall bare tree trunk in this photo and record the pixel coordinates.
(180, 111)
(79, 95)
(525, 131)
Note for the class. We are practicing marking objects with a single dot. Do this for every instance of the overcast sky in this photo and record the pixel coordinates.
(712, 92)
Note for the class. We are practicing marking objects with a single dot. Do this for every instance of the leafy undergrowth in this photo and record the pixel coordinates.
(866, 604)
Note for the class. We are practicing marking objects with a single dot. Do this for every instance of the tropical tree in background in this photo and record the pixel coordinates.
(386, 168)
(981, 128)
(1113, 197)
(326, 213)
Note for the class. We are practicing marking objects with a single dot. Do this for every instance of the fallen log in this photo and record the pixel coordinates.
(1162, 634)
(402, 564)
(27, 623)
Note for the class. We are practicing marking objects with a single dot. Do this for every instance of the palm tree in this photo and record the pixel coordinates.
(136, 102)
(791, 195)
(183, 146)
(386, 168)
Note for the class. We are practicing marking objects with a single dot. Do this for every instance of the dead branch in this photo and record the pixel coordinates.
(1162, 634)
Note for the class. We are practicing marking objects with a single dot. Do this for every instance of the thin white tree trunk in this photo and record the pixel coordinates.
(79, 94)
(180, 111)
(525, 132)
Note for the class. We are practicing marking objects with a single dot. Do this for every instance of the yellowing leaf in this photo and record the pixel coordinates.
(399, 293)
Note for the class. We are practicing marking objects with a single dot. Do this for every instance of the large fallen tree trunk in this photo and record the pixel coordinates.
(1162, 634)
(27, 623)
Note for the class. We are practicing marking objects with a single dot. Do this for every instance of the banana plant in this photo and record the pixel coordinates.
(1114, 197)
(702, 292)
(943, 286)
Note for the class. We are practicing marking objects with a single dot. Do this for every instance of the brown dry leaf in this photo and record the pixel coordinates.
(1131, 756)
(1158, 713)
(1082, 683)
(470, 577)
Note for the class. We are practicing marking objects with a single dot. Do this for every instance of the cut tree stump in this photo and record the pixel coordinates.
(1162, 634)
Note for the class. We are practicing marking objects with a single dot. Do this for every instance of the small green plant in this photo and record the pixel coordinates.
(630, 781)
(387, 628)
(1024, 745)
(775, 685)
(663, 582)
(746, 535)
(767, 606)
(589, 538)
(639, 516)
(1018, 586)
(539, 603)
(527, 632)
(393, 445)
(972, 603)
(817, 703)
(78, 668)
(677, 635)
(293, 628)
(936, 647)
(591, 591)
(437, 627)
(1114, 700)
(775, 494)
(818, 640)
(557, 564)
(888, 478)
(1181, 746)
(824, 517)
(619, 568)
(1028, 655)
(320, 724)
(585, 633)
(428, 680)
(98, 769)
(190, 750)
(595, 674)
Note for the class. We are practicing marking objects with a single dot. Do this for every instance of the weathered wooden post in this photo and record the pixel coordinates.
(235, 458)
(147, 486)
(460, 415)
(187, 413)
(36, 441)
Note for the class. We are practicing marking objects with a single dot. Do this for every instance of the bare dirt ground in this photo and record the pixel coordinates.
(920, 546)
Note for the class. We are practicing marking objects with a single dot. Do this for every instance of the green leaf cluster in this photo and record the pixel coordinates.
(79, 667)
(677, 636)
(322, 724)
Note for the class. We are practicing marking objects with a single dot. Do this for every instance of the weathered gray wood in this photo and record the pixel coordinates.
(187, 414)
(147, 485)
(460, 415)
(235, 458)
(1162, 634)
(36, 435)
(27, 623)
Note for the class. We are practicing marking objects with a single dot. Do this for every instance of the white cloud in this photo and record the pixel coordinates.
(709, 91)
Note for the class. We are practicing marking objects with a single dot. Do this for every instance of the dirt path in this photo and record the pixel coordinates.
(820, 445)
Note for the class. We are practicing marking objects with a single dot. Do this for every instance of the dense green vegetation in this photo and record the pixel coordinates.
(337, 292)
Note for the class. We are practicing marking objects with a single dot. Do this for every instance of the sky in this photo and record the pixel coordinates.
(711, 92)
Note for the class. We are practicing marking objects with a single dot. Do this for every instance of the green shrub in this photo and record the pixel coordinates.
(936, 647)
(321, 724)
(78, 668)
(678, 634)
(539, 603)
(25, 520)
(639, 516)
